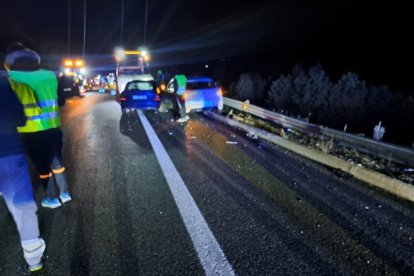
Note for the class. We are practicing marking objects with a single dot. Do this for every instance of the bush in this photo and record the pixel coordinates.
(302, 93)
(349, 101)
(280, 93)
(250, 86)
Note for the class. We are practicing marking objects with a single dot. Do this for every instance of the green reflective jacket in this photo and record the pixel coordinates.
(181, 83)
(37, 91)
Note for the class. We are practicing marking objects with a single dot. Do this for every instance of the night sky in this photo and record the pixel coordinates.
(269, 37)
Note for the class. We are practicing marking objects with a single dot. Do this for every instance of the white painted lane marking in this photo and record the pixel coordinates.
(209, 252)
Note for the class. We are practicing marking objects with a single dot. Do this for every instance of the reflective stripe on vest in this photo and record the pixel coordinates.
(47, 115)
(41, 104)
(38, 125)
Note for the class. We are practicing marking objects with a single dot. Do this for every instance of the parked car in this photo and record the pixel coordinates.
(201, 93)
(139, 94)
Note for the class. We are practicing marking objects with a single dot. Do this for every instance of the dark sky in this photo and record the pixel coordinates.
(370, 39)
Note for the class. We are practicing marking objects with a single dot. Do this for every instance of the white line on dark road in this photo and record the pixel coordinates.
(209, 252)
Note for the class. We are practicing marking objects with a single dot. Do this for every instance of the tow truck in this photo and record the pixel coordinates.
(130, 66)
(72, 78)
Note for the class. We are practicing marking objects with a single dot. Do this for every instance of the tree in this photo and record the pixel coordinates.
(300, 86)
(378, 104)
(317, 94)
(232, 89)
(245, 88)
(280, 92)
(259, 86)
(347, 101)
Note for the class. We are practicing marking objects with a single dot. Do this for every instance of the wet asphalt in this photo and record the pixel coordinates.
(271, 211)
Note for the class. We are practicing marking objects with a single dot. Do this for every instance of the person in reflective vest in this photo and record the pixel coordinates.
(15, 183)
(37, 90)
(180, 82)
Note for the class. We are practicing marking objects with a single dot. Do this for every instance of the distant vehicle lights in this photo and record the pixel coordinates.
(120, 54)
(79, 63)
(74, 66)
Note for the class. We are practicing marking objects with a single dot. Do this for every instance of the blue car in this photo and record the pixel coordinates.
(200, 93)
(139, 94)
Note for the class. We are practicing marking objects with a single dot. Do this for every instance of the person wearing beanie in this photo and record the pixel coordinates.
(36, 89)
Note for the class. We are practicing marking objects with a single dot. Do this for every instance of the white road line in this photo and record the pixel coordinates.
(209, 252)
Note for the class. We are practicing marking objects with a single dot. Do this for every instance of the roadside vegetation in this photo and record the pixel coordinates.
(326, 145)
(348, 104)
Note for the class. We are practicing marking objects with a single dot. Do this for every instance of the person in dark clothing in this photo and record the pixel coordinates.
(180, 82)
(36, 89)
(15, 184)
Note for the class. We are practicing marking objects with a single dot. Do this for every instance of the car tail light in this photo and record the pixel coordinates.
(157, 98)
(122, 99)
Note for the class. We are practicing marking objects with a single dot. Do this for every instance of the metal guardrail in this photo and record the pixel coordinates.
(392, 152)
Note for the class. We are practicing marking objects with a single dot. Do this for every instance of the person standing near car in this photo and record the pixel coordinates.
(180, 82)
(37, 90)
(15, 184)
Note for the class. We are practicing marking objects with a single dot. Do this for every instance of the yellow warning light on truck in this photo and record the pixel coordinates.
(68, 63)
(73, 63)
(120, 54)
(73, 66)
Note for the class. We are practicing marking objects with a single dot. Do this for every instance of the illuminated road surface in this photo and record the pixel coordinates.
(267, 211)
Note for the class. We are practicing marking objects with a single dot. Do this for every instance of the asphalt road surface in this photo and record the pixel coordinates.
(202, 198)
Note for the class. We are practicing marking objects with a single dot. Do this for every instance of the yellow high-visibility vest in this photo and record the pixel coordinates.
(37, 91)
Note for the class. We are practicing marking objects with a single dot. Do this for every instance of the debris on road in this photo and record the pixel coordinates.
(251, 135)
(232, 142)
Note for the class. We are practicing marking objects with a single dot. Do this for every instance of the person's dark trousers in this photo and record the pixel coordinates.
(45, 150)
(179, 106)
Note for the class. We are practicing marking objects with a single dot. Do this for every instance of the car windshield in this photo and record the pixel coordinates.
(140, 85)
(200, 85)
